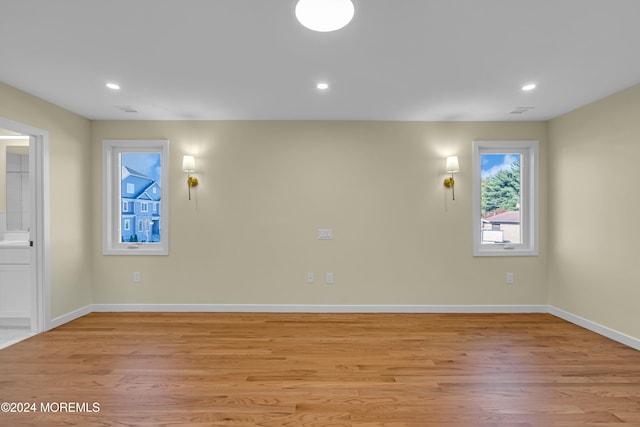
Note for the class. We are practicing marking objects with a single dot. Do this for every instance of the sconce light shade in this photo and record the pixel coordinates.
(452, 164)
(188, 164)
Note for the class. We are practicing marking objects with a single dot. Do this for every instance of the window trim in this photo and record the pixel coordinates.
(529, 189)
(111, 223)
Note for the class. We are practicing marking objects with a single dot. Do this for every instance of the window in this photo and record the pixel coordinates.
(134, 169)
(505, 198)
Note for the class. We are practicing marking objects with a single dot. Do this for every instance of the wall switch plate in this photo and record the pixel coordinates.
(329, 278)
(136, 277)
(509, 278)
(309, 278)
(325, 234)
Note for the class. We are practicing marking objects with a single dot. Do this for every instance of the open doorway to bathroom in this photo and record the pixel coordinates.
(24, 278)
(15, 256)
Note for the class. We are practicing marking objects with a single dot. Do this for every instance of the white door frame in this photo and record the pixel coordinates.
(40, 225)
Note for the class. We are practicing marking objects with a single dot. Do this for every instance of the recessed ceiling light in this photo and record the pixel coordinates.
(324, 15)
(113, 86)
(528, 87)
(322, 86)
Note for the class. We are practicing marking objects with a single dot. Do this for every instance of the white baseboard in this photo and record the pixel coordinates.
(372, 308)
(596, 327)
(61, 320)
(315, 308)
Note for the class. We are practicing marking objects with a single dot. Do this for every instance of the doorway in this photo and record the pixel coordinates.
(24, 233)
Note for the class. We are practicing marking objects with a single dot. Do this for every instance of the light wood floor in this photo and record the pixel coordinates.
(205, 369)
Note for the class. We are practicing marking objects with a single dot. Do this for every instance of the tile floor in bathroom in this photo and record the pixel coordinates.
(11, 334)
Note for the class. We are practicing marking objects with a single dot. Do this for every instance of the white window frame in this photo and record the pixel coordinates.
(529, 190)
(111, 150)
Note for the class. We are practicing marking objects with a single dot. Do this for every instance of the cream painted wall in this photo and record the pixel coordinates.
(249, 234)
(594, 233)
(70, 186)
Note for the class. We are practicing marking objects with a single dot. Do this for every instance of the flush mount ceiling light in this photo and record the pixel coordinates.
(322, 86)
(528, 87)
(113, 86)
(324, 15)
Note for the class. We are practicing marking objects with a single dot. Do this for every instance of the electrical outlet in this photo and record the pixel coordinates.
(136, 277)
(310, 278)
(509, 278)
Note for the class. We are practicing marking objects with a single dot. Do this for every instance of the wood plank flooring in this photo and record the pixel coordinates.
(225, 369)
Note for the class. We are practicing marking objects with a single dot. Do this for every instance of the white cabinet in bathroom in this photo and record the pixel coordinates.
(15, 284)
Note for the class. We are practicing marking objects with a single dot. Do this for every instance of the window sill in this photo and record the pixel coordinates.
(504, 250)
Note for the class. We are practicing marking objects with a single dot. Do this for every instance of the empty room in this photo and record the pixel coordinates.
(319, 213)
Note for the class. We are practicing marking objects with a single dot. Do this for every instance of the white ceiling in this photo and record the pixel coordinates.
(251, 59)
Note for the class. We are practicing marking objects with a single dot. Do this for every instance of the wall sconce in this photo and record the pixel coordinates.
(189, 165)
(452, 166)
